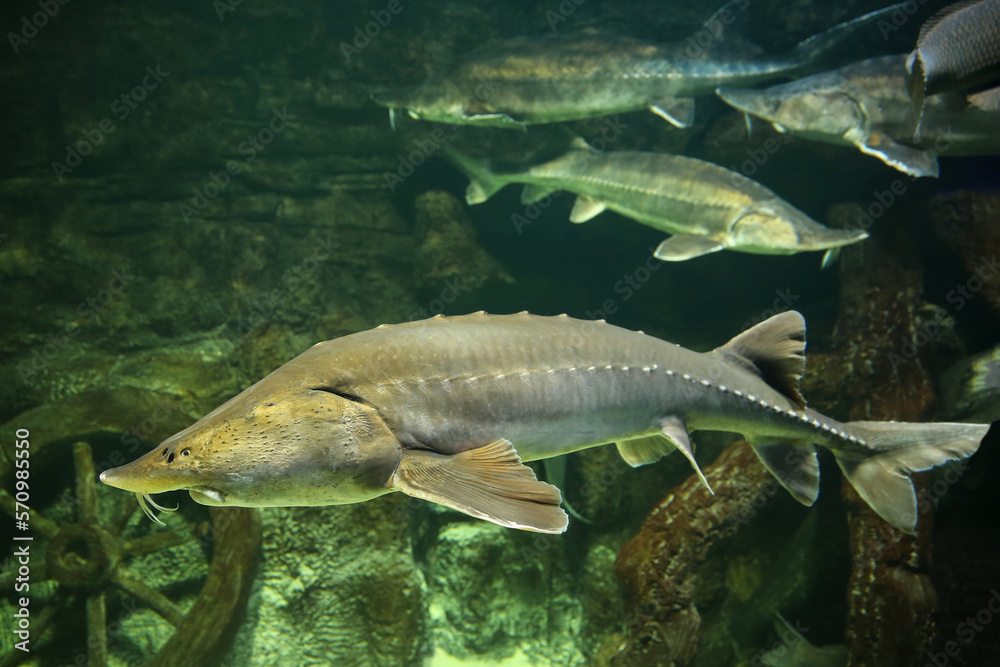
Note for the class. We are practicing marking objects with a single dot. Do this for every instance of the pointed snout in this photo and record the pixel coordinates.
(124, 478)
(754, 102)
(144, 475)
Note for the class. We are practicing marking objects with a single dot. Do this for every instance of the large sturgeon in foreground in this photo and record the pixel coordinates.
(447, 409)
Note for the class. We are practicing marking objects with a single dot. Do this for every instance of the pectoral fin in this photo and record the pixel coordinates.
(488, 483)
(913, 161)
(794, 464)
(585, 208)
(678, 111)
(685, 246)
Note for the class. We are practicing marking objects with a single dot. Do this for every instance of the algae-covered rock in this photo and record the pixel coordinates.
(449, 258)
(337, 583)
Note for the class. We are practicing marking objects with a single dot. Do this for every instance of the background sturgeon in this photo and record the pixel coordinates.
(446, 409)
(957, 52)
(866, 105)
(706, 207)
(553, 78)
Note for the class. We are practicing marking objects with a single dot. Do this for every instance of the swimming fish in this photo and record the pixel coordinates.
(957, 52)
(448, 409)
(866, 105)
(706, 207)
(568, 76)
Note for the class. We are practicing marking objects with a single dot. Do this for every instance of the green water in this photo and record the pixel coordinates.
(193, 193)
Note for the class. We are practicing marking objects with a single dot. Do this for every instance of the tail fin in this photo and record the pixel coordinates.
(821, 45)
(881, 477)
(483, 183)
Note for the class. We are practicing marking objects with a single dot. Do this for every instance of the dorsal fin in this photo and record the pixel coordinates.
(774, 350)
(941, 15)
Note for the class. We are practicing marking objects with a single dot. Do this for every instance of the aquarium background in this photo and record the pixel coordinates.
(194, 192)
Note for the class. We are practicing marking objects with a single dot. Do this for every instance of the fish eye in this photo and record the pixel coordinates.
(185, 452)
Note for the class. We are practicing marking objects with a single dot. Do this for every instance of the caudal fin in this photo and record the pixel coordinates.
(483, 182)
(881, 476)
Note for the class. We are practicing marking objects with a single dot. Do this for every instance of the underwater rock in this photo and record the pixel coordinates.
(449, 258)
(658, 566)
(338, 585)
(488, 614)
(965, 222)
(891, 600)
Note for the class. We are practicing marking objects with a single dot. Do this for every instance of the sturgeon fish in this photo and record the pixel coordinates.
(546, 79)
(448, 409)
(866, 105)
(958, 52)
(706, 207)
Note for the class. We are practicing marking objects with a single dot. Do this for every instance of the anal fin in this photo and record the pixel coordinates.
(585, 208)
(488, 482)
(794, 464)
(673, 436)
(675, 430)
